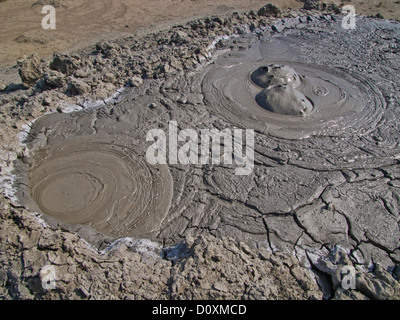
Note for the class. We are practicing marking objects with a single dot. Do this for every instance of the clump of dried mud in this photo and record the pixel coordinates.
(323, 194)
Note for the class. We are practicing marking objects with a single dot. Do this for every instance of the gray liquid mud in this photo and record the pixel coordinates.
(329, 100)
(326, 149)
(103, 184)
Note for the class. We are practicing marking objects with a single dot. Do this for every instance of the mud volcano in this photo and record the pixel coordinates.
(280, 94)
(324, 106)
(329, 100)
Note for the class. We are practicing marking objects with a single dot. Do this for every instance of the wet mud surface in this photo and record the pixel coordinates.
(326, 149)
(103, 184)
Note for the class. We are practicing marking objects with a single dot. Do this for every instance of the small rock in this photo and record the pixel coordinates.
(218, 19)
(327, 267)
(291, 22)
(48, 241)
(78, 87)
(166, 68)
(109, 77)
(303, 19)
(245, 248)
(220, 287)
(394, 183)
(263, 255)
(64, 63)
(46, 101)
(33, 259)
(81, 73)
(278, 26)
(179, 38)
(269, 10)
(175, 63)
(312, 19)
(54, 79)
(313, 5)
(182, 100)
(135, 81)
(107, 49)
(31, 241)
(29, 69)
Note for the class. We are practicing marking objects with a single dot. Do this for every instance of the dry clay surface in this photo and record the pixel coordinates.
(315, 201)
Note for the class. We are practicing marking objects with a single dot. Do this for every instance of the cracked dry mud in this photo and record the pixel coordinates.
(324, 191)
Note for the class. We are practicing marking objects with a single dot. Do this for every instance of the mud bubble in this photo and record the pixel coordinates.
(271, 75)
(280, 95)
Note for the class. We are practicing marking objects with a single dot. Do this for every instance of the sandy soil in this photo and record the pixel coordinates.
(83, 22)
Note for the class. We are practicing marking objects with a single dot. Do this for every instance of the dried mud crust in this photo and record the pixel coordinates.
(342, 210)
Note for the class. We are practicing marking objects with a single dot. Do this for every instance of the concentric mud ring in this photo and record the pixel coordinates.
(343, 103)
(103, 184)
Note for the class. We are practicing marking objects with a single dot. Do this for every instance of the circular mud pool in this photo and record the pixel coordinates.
(291, 99)
(102, 184)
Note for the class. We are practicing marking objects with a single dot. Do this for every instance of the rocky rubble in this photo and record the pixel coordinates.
(30, 69)
(206, 268)
(198, 267)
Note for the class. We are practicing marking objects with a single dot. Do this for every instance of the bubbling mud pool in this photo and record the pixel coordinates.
(101, 183)
(291, 99)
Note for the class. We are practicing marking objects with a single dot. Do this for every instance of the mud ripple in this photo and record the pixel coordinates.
(305, 100)
(102, 184)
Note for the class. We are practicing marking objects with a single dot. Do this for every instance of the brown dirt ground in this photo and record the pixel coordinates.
(83, 22)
